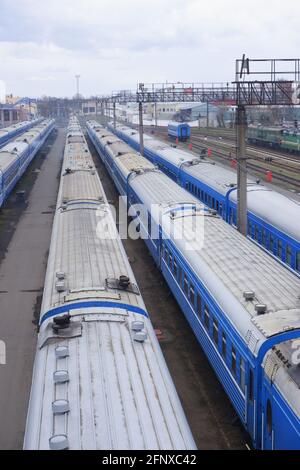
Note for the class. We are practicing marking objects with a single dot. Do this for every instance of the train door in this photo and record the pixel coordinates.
(250, 403)
(183, 132)
(267, 421)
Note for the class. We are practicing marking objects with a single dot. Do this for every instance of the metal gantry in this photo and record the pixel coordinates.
(258, 82)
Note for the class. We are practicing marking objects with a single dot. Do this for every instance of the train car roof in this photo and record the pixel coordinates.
(277, 209)
(230, 264)
(119, 392)
(281, 211)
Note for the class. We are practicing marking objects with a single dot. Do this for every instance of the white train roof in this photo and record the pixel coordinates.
(118, 393)
(229, 264)
(10, 153)
(13, 127)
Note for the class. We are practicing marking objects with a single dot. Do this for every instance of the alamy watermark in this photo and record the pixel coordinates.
(296, 352)
(2, 353)
(184, 222)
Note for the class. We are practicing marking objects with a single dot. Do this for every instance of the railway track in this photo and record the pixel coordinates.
(227, 152)
(230, 135)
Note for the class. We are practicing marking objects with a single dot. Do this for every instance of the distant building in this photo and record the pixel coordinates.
(88, 107)
(9, 115)
(2, 91)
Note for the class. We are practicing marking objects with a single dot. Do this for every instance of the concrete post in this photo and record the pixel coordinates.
(114, 114)
(141, 130)
(241, 171)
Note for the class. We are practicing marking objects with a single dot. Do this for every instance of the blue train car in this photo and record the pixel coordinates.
(273, 219)
(17, 155)
(9, 133)
(179, 130)
(242, 305)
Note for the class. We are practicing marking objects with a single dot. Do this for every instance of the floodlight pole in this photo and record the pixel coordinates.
(114, 114)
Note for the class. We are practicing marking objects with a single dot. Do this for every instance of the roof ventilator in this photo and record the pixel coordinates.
(249, 295)
(60, 275)
(60, 406)
(60, 286)
(260, 309)
(139, 336)
(213, 212)
(59, 442)
(61, 376)
(137, 325)
(61, 352)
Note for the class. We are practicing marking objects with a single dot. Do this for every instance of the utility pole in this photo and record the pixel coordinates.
(241, 125)
(155, 113)
(207, 113)
(114, 114)
(141, 130)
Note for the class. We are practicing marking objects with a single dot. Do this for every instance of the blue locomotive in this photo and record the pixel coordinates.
(179, 130)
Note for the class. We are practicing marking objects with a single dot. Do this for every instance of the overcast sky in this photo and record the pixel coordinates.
(114, 44)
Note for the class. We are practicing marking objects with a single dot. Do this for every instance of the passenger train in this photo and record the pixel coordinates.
(8, 133)
(242, 305)
(100, 380)
(17, 155)
(273, 219)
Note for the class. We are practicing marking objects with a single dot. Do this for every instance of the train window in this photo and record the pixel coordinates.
(216, 331)
(233, 360)
(269, 417)
(298, 261)
(179, 275)
(249, 227)
(271, 243)
(256, 233)
(202, 195)
(187, 185)
(224, 347)
(170, 261)
(288, 254)
(206, 317)
(185, 285)
(217, 205)
(192, 294)
(149, 224)
(166, 255)
(175, 270)
(251, 385)
(213, 202)
(279, 246)
(199, 305)
(264, 237)
(242, 374)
